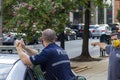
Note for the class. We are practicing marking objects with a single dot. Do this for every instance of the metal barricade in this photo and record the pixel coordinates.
(12, 49)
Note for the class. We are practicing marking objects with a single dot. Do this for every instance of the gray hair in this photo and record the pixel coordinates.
(49, 35)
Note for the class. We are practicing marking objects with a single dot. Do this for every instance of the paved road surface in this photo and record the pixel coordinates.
(74, 47)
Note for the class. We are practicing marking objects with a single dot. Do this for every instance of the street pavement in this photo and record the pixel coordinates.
(74, 47)
(97, 70)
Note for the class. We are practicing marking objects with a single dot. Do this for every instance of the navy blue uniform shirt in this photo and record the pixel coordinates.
(55, 62)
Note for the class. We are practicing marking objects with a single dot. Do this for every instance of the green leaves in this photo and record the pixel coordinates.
(24, 14)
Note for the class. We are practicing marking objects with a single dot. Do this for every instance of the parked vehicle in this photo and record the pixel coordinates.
(79, 29)
(68, 33)
(102, 29)
(114, 27)
(8, 39)
(92, 29)
(11, 68)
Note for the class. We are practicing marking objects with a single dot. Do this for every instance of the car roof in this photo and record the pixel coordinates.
(93, 26)
(103, 25)
(8, 58)
(7, 63)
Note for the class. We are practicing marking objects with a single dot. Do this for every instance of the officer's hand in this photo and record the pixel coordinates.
(22, 43)
(114, 37)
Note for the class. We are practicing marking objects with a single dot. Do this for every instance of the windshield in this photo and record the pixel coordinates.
(93, 27)
(4, 70)
(74, 26)
(77, 26)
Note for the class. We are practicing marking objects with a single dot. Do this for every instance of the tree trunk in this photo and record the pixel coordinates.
(85, 47)
(0, 22)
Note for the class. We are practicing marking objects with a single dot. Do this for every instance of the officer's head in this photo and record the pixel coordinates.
(48, 36)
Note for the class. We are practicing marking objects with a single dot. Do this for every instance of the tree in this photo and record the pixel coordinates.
(1, 22)
(30, 16)
(85, 48)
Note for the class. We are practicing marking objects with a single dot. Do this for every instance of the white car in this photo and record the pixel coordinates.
(92, 29)
(11, 68)
(102, 29)
(8, 39)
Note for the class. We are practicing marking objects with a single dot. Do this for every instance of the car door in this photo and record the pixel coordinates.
(34, 73)
(29, 75)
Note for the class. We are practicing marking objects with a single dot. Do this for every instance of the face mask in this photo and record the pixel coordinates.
(116, 43)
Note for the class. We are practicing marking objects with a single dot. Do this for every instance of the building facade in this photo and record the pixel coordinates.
(98, 15)
(107, 15)
(116, 8)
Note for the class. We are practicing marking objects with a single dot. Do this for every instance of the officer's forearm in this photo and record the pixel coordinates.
(30, 51)
(24, 57)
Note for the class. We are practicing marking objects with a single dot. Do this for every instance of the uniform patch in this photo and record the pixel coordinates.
(61, 52)
(33, 58)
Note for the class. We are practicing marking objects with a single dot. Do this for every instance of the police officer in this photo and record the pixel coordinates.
(53, 59)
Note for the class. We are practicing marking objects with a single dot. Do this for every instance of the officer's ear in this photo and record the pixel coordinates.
(41, 39)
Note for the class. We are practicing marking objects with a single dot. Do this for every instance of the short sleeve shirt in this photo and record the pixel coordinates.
(114, 62)
(55, 62)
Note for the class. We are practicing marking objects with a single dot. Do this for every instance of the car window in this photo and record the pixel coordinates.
(4, 70)
(93, 27)
(101, 27)
(108, 28)
(77, 26)
(74, 26)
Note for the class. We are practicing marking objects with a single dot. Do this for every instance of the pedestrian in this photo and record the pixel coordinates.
(53, 59)
(106, 38)
(114, 57)
(102, 39)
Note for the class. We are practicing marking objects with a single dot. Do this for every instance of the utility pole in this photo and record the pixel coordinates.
(0, 22)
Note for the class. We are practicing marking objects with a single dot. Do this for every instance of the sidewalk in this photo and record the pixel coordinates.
(93, 70)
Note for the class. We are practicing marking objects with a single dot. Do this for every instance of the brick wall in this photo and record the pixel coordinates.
(116, 7)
